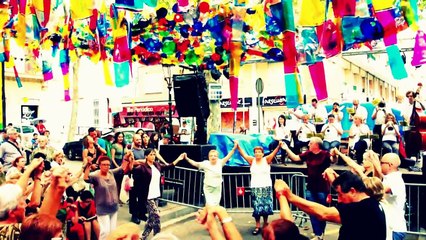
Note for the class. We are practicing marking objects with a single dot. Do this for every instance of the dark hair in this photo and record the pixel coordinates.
(148, 144)
(411, 92)
(314, 100)
(116, 138)
(283, 117)
(86, 194)
(154, 142)
(103, 158)
(330, 115)
(348, 180)
(40, 155)
(283, 229)
(148, 151)
(91, 129)
(336, 103)
(139, 130)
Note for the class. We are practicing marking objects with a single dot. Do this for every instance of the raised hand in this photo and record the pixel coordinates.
(280, 185)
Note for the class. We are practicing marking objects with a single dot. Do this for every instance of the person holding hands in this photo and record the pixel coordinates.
(212, 187)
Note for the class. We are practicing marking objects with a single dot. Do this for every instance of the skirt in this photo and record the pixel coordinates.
(261, 200)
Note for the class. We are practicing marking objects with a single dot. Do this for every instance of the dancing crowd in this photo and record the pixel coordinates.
(40, 198)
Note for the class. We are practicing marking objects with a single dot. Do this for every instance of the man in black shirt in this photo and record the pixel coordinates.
(361, 217)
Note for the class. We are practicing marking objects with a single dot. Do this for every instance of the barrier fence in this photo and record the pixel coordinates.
(185, 186)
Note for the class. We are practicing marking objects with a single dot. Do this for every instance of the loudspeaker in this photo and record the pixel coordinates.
(196, 152)
(191, 95)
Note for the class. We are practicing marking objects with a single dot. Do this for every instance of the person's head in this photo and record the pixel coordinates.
(92, 132)
(126, 231)
(140, 131)
(184, 123)
(213, 156)
(150, 155)
(374, 188)
(331, 118)
(282, 229)
(41, 226)
(47, 133)
(119, 138)
(86, 198)
(35, 135)
(19, 162)
(314, 102)
(315, 144)
(357, 119)
(411, 95)
(145, 139)
(12, 203)
(355, 102)
(281, 120)
(305, 118)
(155, 136)
(58, 157)
(166, 138)
(390, 118)
(42, 141)
(12, 134)
(104, 163)
(40, 122)
(390, 163)
(348, 186)
(336, 106)
(87, 141)
(137, 140)
(367, 160)
(258, 152)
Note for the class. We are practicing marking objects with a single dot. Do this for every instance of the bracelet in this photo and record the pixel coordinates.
(226, 220)
(279, 194)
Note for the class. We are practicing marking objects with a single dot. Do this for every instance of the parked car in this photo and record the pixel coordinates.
(26, 131)
(74, 149)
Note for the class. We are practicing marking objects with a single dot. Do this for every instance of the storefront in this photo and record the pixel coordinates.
(240, 118)
(144, 116)
(272, 107)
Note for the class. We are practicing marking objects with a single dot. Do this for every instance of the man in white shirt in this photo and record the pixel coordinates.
(332, 134)
(318, 115)
(358, 110)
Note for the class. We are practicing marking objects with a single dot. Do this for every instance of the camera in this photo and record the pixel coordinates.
(390, 128)
(381, 104)
(328, 130)
(336, 109)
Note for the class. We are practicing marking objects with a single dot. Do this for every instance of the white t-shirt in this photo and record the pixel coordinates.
(362, 112)
(318, 113)
(380, 116)
(396, 200)
(389, 135)
(331, 134)
(357, 132)
(304, 130)
(185, 134)
(283, 132)
(260, 174)
(212, 173)
(154, 185)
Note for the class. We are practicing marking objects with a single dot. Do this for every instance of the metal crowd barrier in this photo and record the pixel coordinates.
(185, 186)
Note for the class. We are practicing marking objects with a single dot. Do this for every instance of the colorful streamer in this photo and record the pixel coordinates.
(342, 8)
(234, 65)
(312, 13)
(317, 73)
(419, 52)
(387, 20)
(395, 62)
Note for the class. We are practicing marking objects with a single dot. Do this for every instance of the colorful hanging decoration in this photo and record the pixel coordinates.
(419, 51)
(318, 79)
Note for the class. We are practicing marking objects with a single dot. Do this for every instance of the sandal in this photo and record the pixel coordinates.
(256, 231)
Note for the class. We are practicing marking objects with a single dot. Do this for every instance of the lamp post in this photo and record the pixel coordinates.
(167, 72)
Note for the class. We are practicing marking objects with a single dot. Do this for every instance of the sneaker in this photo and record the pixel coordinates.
(136, 220)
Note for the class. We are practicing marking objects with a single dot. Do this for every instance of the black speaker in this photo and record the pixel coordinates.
(191, 95)
(197, 152)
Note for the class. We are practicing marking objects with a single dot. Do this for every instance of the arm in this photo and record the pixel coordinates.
(37, 163)
(192, 162)
(229, 229)
(311, 208)
(285, 212)
(271, 156)
(330, 175)
(351, 163)
(100, 149)
(178, 159)
(290, 153)
(246, 157)
(208, 219)
(37, 189)
(157, 154)
(52, 199)
(374, 114)
(227, 157)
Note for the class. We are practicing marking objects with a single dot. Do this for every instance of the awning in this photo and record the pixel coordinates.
(148, 111)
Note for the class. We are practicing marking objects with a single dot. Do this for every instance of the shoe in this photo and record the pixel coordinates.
(143, 217)
(256, 231)
(136, 220)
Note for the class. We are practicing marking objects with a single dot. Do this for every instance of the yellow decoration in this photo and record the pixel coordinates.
(81, 9)
(20, 30)
(25, 99)
(107, 74)
(312, 13)
(382, 4)
(256, 20)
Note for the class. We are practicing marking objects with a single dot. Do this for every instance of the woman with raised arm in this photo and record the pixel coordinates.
(261, 183)
(212, 187)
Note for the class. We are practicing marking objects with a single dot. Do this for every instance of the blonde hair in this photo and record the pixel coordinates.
(374, 187)
(124, 230)
(57, 154)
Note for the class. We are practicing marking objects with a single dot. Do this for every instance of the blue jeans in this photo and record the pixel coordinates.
(319, 197)
(330, 145)
(398, 235)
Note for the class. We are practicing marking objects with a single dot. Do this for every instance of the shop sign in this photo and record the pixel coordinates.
(140, 111)
(226, 102)
(273, 101)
